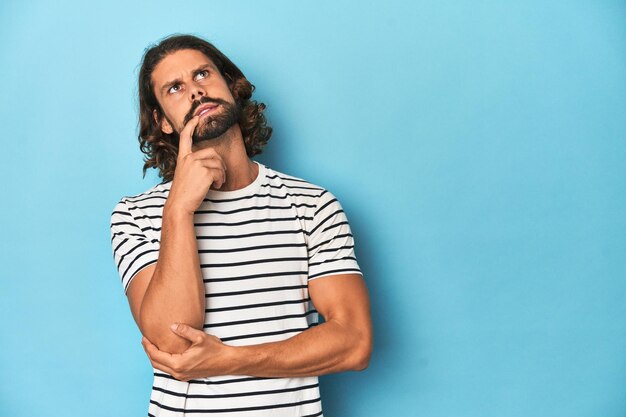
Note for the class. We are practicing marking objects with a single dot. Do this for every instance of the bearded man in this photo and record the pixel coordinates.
(227, 263)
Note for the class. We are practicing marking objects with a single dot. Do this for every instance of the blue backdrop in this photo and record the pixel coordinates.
(478, 149)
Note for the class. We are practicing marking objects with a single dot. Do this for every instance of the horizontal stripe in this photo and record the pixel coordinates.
(218, 382)
(278, 187)
(134, 198)
(259, 305)
(344, 258)
(245, 235)
(248, 197)
(245, 277)
(133, 225)
(226, 212)
(156, 216)
(336, 249)
(254, 335)
(235, 410)
(114, 235)
(235, 395)
(312, 248)
(253, 221)
(313, 415)
(259, 320)
(336, 271)
(287, 178)
(251, 208)
(240, 223)
(249, 248)
(252, 262)
(145, 207)
(272, 289)
(138, 199)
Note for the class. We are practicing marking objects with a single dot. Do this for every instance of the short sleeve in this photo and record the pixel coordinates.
(330, 241)
(132, 249)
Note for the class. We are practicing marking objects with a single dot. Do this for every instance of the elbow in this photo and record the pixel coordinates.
(169, 342)
(160, 334)
(362, 354)
(362, 359)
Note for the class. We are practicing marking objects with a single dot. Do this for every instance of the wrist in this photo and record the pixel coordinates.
(176, 211)
(246, 360)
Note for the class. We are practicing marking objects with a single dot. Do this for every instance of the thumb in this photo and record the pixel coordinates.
(195, 336)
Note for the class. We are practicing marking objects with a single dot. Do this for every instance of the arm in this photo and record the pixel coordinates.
(343, 342)
(173, 289)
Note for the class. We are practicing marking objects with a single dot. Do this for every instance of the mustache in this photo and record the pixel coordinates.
(198, 103)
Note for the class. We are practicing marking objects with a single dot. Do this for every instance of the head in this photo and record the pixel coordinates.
(162, 114)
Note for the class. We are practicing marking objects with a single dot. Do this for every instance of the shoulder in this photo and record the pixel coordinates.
(294, 185)
(309, 197)
(152, 197)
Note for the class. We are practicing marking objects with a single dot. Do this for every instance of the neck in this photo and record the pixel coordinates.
(240, 170)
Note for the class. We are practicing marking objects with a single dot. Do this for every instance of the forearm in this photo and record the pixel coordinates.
(328, 348)
(176, 291)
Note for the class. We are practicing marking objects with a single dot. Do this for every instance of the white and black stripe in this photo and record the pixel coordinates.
(258, 247)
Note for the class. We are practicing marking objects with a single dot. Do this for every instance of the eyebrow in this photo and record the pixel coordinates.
(175, 81)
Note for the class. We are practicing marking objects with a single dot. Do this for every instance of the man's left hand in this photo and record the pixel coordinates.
(207, 355)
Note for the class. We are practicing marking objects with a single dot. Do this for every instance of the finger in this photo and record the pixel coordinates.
(146, 343)
(195, 336)
(158, 356)
(164, 368)
(185, 141)
(218, 177)
(212, 163)
(209, 154)
(148, 348)
(215, 173)
(169, 368)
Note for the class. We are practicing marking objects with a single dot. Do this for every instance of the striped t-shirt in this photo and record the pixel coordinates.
(259, 246)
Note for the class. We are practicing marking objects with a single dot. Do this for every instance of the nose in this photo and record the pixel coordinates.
(196, 92)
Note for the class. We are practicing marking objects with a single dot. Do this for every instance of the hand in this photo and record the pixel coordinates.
(207, 355)
(195, 172)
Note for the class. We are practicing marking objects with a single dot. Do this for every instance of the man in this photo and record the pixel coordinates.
(227, 263)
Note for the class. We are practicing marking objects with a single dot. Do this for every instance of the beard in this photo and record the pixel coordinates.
(214, 125)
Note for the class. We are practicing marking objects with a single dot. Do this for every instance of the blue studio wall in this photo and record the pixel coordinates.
(478, 148)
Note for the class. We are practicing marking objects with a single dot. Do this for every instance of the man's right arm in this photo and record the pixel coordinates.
(172, 290)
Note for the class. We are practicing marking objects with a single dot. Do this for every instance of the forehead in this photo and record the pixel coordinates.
(177, 65)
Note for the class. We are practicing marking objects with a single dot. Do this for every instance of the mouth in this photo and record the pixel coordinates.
(206, 109)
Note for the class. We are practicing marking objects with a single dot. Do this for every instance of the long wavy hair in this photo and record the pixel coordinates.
(161, 149)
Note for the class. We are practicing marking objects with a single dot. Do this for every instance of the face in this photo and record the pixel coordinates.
(187, 83)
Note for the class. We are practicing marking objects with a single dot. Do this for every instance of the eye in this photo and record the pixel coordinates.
(202, 74)
(174, 89)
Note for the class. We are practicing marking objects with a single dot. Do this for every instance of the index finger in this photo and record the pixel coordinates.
(185, 141)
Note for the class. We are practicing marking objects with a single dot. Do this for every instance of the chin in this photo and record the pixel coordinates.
(209, 132)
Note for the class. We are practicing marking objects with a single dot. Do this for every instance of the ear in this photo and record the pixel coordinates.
(166, 127)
